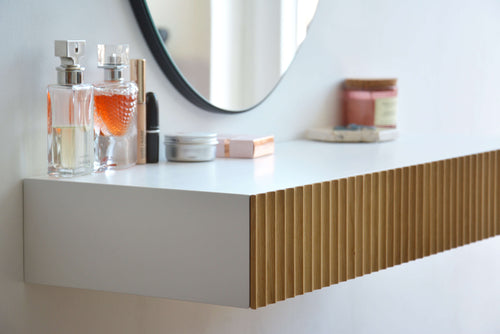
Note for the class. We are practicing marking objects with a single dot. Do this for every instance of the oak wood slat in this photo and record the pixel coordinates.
(496, 201)
(316, 236)
(405, 213)
(325, 234)
(466, 206)
(412, 229)
(426, 218)
(389, 232)
(367, 222)
(342, 198)
(290, 241)
(398, 221)
(358, 226)
(453, 191)
(474, 198)
(433, 222)
(375, 212)
(253, 252)
(299, 239)
(308, 235)
(271, 247)
(440, 206)
(334, 232)
(280, 244)
(382, 223)
(350, 226)
(491, 193)
(419, 238)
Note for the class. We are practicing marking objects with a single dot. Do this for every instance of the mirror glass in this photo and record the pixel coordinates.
(232, 53)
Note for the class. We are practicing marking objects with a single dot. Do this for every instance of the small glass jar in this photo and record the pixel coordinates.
(370, 102)
(191, 147)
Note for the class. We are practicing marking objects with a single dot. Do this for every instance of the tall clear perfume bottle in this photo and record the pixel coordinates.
(70, 115)
(115, 108)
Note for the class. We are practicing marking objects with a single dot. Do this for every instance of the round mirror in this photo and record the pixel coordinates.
(224, 55)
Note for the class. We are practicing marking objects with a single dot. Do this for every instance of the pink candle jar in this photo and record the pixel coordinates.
(370, 102)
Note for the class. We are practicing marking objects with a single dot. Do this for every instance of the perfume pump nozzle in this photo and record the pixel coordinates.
(70, 51)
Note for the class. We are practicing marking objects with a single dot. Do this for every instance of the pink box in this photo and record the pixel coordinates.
(243, 146)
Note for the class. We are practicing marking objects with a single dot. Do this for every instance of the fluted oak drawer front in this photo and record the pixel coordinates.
(308, 237)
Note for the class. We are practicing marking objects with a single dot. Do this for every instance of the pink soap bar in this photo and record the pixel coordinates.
(242, 146)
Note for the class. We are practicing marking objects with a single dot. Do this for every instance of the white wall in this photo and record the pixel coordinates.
(446, 54)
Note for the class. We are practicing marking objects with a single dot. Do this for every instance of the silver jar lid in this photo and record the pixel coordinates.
(190, 138)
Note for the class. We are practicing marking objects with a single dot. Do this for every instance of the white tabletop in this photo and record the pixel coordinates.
(294, 163)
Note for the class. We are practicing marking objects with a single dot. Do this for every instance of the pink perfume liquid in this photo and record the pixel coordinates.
(113, 114)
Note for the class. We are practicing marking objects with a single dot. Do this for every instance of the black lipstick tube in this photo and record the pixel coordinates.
(152, 129)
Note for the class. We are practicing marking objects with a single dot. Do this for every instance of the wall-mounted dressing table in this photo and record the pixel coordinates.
(248, 233)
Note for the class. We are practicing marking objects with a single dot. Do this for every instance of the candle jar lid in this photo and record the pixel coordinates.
(370, 84)
(204, 138)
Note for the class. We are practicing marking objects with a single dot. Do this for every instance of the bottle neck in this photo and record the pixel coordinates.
(69, 76)
(113, 74)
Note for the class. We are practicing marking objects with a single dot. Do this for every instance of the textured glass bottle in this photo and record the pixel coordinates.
(115, 107)
(70, 115)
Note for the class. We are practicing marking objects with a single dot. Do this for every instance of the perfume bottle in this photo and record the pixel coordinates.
(70, 115)
(115, 108)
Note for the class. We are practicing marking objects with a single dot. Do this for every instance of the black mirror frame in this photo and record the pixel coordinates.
(160, 53)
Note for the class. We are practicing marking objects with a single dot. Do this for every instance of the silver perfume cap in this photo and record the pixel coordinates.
(114, 59)
(70, 51)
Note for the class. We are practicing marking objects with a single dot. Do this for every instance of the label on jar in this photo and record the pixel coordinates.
(385, 111)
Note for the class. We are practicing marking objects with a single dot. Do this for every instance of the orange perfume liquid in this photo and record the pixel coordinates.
(113, 114)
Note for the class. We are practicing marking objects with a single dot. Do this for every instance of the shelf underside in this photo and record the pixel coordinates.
(313, 236)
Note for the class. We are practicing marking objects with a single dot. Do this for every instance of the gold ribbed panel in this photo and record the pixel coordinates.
(309, 237)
